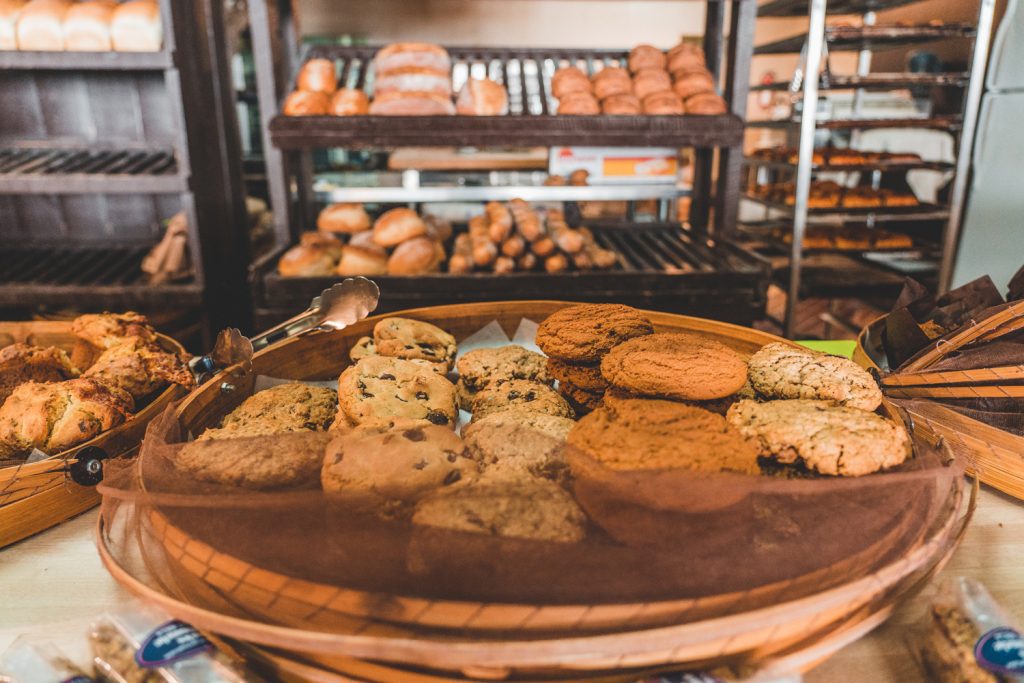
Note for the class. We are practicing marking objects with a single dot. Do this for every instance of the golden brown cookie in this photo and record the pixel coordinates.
(521, 393)
(517, 440)
(585, 376)
(687, 367)
(480, 368)
(381, 388)
(630, 434)
(781, 371)
(586, 332)
(285, 461)
(291, 407)
(413, 339)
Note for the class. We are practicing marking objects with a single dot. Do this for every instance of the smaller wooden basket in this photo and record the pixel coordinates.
(36, 496)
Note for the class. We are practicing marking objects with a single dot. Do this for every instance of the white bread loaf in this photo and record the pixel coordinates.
(136, 27)
(9, 12)
(40, 25)
(87, 26)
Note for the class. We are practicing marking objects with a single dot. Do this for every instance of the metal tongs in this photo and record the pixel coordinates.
(338, 307)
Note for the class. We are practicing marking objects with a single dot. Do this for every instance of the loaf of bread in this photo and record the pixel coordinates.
(579, 104)
(20, 363)
(349, 102)
(303, 103)
(96, 332)
(611, 80)
(396, 226)
(644, 57)
(569, 80)
(461, 260)
(438, 229)
(482, 97)
(41, 25)
(625, 104)
(136, 27)
(411, 55)
(396, 103)
(10, 10)
(705, 103)
(663, 103)
(686, 57)
(415, 257)
(364, 240)
(306, 261)
(139, 368)
(345, 217)
(361, 261)
(414, 79)
(317, 75)
(87, 26)
(650, 81)
(689, 83)
(322, 240)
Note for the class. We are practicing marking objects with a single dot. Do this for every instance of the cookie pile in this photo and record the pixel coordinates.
(513, 237)
(655, 83)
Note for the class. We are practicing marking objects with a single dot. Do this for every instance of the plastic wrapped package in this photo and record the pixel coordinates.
(39, 662)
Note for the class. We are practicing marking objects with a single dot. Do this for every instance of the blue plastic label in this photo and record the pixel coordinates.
(1001, 651)
(79, 679)
(168, 643)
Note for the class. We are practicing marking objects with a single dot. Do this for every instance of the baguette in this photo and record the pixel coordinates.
(462, 255)
(500, 219)
(556, 263)
(544, 247)
(567, 239)
(600, 257)
(514, 246)
(484, 250)
(504, 265)
(528, 261)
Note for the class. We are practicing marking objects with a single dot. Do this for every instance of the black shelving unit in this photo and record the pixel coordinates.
(97, 149)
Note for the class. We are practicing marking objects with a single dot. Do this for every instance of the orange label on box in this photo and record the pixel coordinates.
(627, 167)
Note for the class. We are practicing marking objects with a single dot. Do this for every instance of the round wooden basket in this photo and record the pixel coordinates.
(994, 456)
(403, 630)
(38, 495)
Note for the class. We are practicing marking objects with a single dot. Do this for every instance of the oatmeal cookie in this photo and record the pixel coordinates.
(531, 509)
(518, 440)
(482, 368)
(586, 376)
(781, 371)
(634, 433)
(522, 393)
(826, 438)
(412, 339)
(287, 461)
(687, 367)
(584, 333)
(291, 407)
(379, 388)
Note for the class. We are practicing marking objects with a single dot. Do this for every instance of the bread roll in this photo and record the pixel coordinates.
(500, 221)
(482, 97)
(579, 178)
(556, 263)
(414, 79)
(40, 25)
(317, 75)
(543, 246)
(306, 261)
(302, 103)
(87, 26)
(686, 57)
(364, 240)
(462, 255)
(344, 217)
(650, 81)
(707, 104)
(359, 261)
(579, 104)
(612, 80)
(438, 229)
(411, 55)
(690, 83)
(622, 105)
(411, 104)
(528, 261)
(514, 246)
(396, 226)
(484, 250)
(10, 10)
(663, 103)
(568, 80)
(646, 57)
(136, 27)
(414, 257)
(349, 102)
(319, 239)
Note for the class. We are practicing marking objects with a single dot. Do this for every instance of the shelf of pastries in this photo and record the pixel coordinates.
(426, 95)
(830, 199)
(843, 159)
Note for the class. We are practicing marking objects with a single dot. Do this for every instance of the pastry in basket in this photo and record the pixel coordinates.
(519, 393)
(412, 55)
(414, 339)
(687, 367)
(861, 198)
(650, 81)
(705, 104)
(20, 363)
(481, 368)
(644, 57)
(568, 80)
(528, 508)
(782, 371)
(417, 256)
(636, 433)
(396, 226)
(307, 261)
(686, 57)
(97, 332)
(349, 102)
(398, 103)
(290, 407)
(345, 217)
(664, 103)
(384, 469)
(317, 75)
(519, 440)
(302, 103)
(611, 80)
(414, 79)
(381, 388)
(59, 415)
(482, 97)
(321, 240)
(290, 460)
(621, 105)
(823, 437)
(891, 240)
(578, 104)
(586, 332)
(140, 368)
(893, 198)
(361, 261)
(689, 83)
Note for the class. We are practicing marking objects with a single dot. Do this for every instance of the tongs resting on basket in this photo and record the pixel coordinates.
(336, 308)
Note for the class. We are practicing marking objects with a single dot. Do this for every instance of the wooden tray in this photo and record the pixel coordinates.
(996, 457)
(38, 495)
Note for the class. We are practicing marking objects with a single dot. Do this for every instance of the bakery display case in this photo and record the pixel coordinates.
(658, 263)
(101, 142)
(802, 221)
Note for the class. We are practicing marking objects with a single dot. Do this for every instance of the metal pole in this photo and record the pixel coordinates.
(863, 69)
(972, 102)
(808, 122)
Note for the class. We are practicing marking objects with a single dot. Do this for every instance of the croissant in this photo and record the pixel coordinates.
(139, 368)
(56, 416)
(20, 363)
(96, 332)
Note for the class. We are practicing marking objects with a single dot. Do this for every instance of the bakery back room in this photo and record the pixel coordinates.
(562, 340)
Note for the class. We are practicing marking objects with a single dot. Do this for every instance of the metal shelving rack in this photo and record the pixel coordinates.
(291, 141)
(97, 148)
(811, 80)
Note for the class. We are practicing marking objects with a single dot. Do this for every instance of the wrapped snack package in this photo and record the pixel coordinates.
(969, 637)
(27, 662)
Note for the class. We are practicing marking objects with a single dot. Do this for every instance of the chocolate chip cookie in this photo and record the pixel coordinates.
(412, 339)
(530, 509)
(635, 433)
(286, 461)
(824, 437)
(584, 333)
(686, 367)
(362, 349)
(291, 407)
(781, 371)
(587, 376)
(521, 393)
(481, 368)
(381, 388)
(517, 440)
